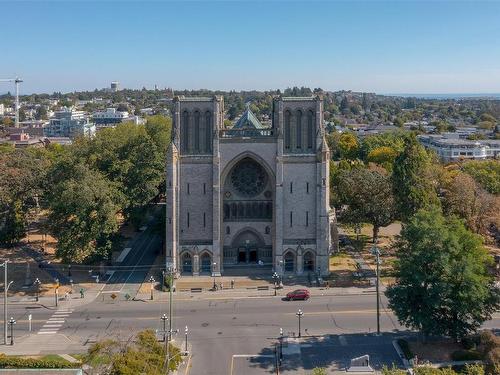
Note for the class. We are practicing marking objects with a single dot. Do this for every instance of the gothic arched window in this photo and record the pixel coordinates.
(298, 129)
(310, 129)
(197, 131)
(185, 131)
(288, 129)
(208, 131)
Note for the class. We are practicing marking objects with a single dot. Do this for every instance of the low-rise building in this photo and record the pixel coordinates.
(111, 116)
(450, 147)
(70, 123)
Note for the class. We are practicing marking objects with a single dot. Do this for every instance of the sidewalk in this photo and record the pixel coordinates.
(253, 292)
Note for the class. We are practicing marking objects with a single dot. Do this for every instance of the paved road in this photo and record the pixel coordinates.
(129, 274)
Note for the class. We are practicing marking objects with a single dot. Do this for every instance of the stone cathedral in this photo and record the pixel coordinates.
(251, 195)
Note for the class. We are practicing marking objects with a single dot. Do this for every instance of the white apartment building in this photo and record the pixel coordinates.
(70, 123)
(449, 147)
(109, 117)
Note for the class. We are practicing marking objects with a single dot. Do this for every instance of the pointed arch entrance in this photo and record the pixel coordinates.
(247, 211)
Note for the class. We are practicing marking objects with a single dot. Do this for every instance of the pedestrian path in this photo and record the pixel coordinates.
(55, 322)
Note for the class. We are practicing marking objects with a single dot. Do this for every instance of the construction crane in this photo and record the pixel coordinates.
(17, 81)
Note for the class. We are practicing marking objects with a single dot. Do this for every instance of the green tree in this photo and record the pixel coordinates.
(82, 212)
(413, 184)
(442, 282)
(486, 173)
(368, 197)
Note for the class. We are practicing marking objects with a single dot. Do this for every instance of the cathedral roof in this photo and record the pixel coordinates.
(248, 121)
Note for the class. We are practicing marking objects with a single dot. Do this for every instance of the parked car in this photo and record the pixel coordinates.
(299, 294)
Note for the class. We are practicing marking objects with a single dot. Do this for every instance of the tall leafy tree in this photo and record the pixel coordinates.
(413, 182)
(442, 282)
(83, 212)
(368, 197)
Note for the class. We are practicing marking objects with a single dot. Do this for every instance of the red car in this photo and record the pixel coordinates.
(302, 294)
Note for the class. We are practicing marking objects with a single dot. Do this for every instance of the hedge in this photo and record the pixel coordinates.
(19, 362)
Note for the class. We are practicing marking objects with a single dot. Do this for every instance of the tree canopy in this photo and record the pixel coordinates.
(442, 282)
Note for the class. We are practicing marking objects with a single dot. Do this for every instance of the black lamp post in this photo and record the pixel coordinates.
(281, 344)
(213, 273)
(37, 286)
(186, 333)
(299, 315)
(275, 278)
(164, 317)
(12, 321)
(152, 280)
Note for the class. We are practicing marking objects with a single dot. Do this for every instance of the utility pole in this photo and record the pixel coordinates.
(17, 81)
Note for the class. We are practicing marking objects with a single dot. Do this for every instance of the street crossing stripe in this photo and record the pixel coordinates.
(47, 332)
(51, 325)
(55, 321)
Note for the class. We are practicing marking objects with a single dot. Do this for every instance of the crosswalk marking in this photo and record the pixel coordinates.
(55, 322)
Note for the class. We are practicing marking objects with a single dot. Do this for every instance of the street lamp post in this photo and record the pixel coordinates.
(152, 281)
(37, 286)
(164, 317)
(275, 278)
(12, 321)
(376, 252)
(186, 333)
(299, 315)
(281, 344)
(213, 273)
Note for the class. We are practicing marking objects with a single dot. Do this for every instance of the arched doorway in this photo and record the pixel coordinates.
(206, 263)
(289, 262)
(309, 262)
(187, 263)
(248, 246)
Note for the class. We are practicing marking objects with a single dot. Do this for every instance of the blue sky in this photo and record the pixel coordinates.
(383, 47)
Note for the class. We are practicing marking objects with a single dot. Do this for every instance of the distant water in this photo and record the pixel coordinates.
(449, 96)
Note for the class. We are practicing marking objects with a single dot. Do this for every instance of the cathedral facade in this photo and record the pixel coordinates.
(250, 195)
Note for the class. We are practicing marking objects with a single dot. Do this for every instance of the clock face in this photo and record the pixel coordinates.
(227, 194)
(248, 178)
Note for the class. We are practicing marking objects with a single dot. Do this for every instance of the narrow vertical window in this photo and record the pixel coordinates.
(307, 218)
(298, 129)
(310, 127)
(185, 131)
(291, 187)
(197, 132)
(291, 218)
(204, 188)
(287, 129)
(204, 219)
(208, 132)
(188, 189)
(307, 187)
(188, 219)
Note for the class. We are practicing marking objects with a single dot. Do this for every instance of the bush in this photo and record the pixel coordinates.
(318, 371)
(18, 362)
(405, 347)
(466, 355)
(473, 370)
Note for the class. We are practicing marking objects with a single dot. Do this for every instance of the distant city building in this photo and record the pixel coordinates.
(450, 147)
(115, 86)
(2, 109)
(70, 123)
(109, 117)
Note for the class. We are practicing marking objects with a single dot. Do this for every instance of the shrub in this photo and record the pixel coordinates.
(318, 371)
(469, 342)
(18, 362)
(466, 355)
(473, 370)
(405, 347)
